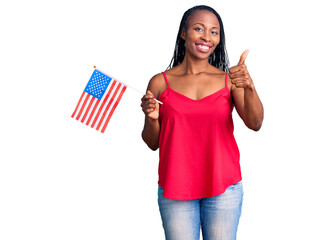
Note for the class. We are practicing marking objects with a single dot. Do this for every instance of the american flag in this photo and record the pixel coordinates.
(98, 101)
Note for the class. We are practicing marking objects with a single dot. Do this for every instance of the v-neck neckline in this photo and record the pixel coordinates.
(191, 99)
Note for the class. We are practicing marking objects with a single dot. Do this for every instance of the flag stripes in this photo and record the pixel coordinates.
(104, 101)
(78, 104)
(84, 104)
(92, 112)
(97, 113)
(107, 107)
(87, 110)
(113, 108)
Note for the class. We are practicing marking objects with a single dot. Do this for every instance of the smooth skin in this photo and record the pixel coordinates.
(195, 78)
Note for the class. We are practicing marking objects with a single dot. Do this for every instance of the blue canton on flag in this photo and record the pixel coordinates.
(97, 84)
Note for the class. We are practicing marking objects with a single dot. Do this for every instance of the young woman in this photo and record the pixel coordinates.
(200, 183)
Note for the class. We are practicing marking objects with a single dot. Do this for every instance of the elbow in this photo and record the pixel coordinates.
(154, 148)
(151, 145)
(255, 125)
(256, 128)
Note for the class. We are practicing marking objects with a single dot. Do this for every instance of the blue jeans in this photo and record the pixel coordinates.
(217, 216)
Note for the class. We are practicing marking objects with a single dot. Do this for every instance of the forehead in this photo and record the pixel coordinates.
(203, 16)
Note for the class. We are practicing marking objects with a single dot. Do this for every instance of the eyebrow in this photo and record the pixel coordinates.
(204, 25)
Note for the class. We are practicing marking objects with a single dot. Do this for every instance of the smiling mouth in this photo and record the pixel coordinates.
(204, 48)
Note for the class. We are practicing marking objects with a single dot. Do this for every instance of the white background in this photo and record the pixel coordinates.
(60, 179)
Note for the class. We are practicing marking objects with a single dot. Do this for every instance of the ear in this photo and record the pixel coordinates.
(183, 34)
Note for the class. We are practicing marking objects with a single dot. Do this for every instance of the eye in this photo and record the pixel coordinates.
(198, 29)
(214, 33)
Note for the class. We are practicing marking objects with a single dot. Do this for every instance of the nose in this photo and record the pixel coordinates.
(206, 36)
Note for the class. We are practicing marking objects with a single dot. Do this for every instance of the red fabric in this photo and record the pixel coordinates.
(199, 156)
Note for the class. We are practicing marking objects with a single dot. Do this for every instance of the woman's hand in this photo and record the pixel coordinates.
(245, 97)
(239, 74)
(149, 106)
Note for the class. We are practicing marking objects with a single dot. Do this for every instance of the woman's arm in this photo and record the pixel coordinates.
(245, 97)
(151, 132)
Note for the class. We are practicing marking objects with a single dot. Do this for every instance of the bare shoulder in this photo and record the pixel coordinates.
(173, 74)
(157, 85)
(174, 71)
(216, 71)
(220, 75)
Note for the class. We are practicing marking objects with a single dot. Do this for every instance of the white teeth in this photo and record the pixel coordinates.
(203, 47)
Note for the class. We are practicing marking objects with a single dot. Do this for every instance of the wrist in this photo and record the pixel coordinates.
(152, 120)
(250, 87)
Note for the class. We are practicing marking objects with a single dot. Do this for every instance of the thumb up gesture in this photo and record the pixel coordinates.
(239, 75)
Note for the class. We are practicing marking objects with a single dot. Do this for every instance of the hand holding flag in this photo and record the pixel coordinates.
(99, 99)
(149, 106)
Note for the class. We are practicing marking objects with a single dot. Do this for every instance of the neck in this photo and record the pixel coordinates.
(194, 66)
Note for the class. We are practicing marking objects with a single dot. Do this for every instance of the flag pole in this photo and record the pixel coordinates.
(125, 84)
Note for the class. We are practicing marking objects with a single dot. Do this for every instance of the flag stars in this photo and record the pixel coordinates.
(98, 84)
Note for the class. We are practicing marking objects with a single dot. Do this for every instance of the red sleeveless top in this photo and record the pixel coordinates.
(199, 156)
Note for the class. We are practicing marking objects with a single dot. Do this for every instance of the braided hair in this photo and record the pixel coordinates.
(219, 58)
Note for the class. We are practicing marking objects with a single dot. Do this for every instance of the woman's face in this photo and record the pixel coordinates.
(202, 35)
